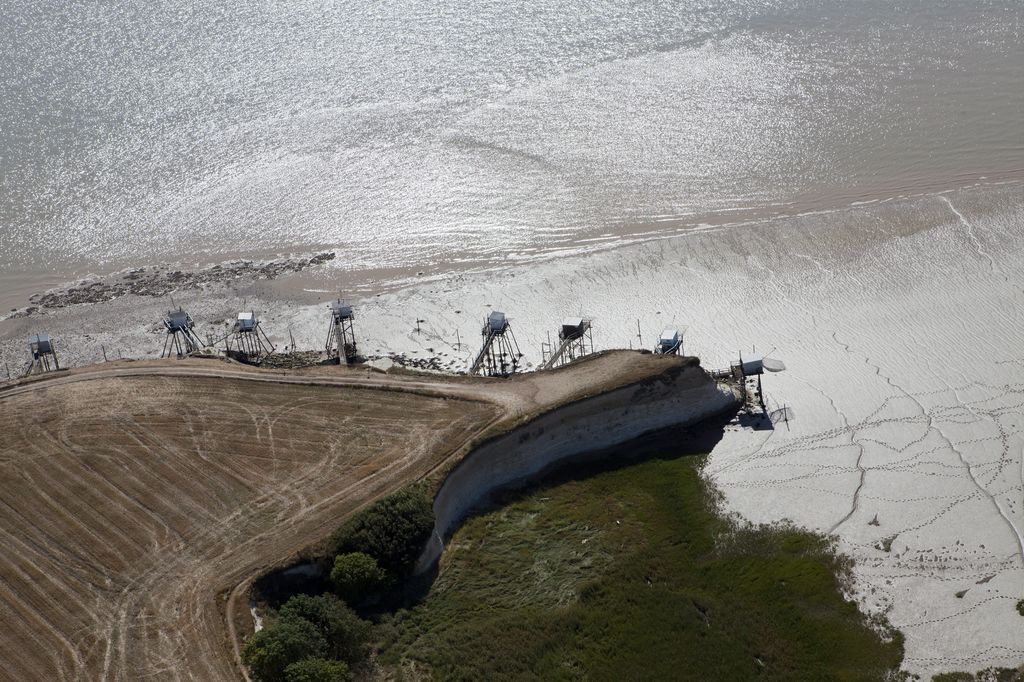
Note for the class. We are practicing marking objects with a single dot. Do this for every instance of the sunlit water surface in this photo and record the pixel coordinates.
(405, 134)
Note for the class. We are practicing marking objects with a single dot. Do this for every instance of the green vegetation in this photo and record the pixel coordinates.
(277, 646)
(314, 638)
(344, 632)
(631, 574)
(1020, 607)
(393, 530)
(317, 670)
(355, 575)
(307, 630)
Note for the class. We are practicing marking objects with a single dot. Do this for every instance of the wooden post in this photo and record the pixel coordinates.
(104, 350)
(639, 336)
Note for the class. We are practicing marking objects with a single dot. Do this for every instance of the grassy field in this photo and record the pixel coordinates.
(630, 574)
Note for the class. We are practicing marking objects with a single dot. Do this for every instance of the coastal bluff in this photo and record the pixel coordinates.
(590, 427)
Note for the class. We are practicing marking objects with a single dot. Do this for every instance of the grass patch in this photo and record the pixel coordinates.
(631, 574)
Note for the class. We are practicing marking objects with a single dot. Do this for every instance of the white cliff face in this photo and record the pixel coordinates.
(682, 398)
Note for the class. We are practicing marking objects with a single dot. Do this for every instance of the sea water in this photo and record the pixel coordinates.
(410, 134)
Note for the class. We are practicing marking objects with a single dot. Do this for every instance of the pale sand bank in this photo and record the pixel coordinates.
(901, 325)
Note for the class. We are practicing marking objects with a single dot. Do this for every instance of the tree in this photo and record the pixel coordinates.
(393, 530)
(355, 575)
(344, 632)
(280, 644)
(317, 670)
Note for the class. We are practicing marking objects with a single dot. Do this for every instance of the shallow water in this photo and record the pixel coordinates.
(408, 135)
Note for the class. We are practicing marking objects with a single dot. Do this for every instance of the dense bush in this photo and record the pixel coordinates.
(344, 632)
(355, 575)
(317, 670)
(378, 545)
(277, 646)
(393, 530)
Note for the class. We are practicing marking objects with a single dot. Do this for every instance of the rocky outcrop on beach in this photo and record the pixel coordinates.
(303, 358)
(161, 280)
(294, 359)
(426, 364)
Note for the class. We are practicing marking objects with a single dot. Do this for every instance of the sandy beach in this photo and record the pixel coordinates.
(899, 322)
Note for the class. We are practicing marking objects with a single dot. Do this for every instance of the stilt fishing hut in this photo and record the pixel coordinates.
(181, 337)
(499, 355)
(341, 337)
(670, 342)
(248, 340)
(575, 339)
(754, 365)
(44, 354)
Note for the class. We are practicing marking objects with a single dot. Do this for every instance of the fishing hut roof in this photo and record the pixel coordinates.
(40, 343)
(341, 310)
(178, 319)
(496, 321)
(246, 321)
(670, 335)
(752, 364)
(573, 327)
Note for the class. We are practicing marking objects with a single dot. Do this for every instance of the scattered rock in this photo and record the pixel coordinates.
(160, 281)
(294, 359)
(431, 364)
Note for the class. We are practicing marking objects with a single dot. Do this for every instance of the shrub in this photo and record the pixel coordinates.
(393, 530)
(1020, 607)
(317, 670)
(277, 646)
(344, 632)
(355, 575)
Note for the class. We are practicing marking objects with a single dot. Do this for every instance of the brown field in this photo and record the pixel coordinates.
(137, 500)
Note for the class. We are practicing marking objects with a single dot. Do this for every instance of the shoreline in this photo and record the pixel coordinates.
(19, 288)
(291, 304)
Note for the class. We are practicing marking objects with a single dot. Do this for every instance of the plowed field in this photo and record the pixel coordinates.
(127, 506)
